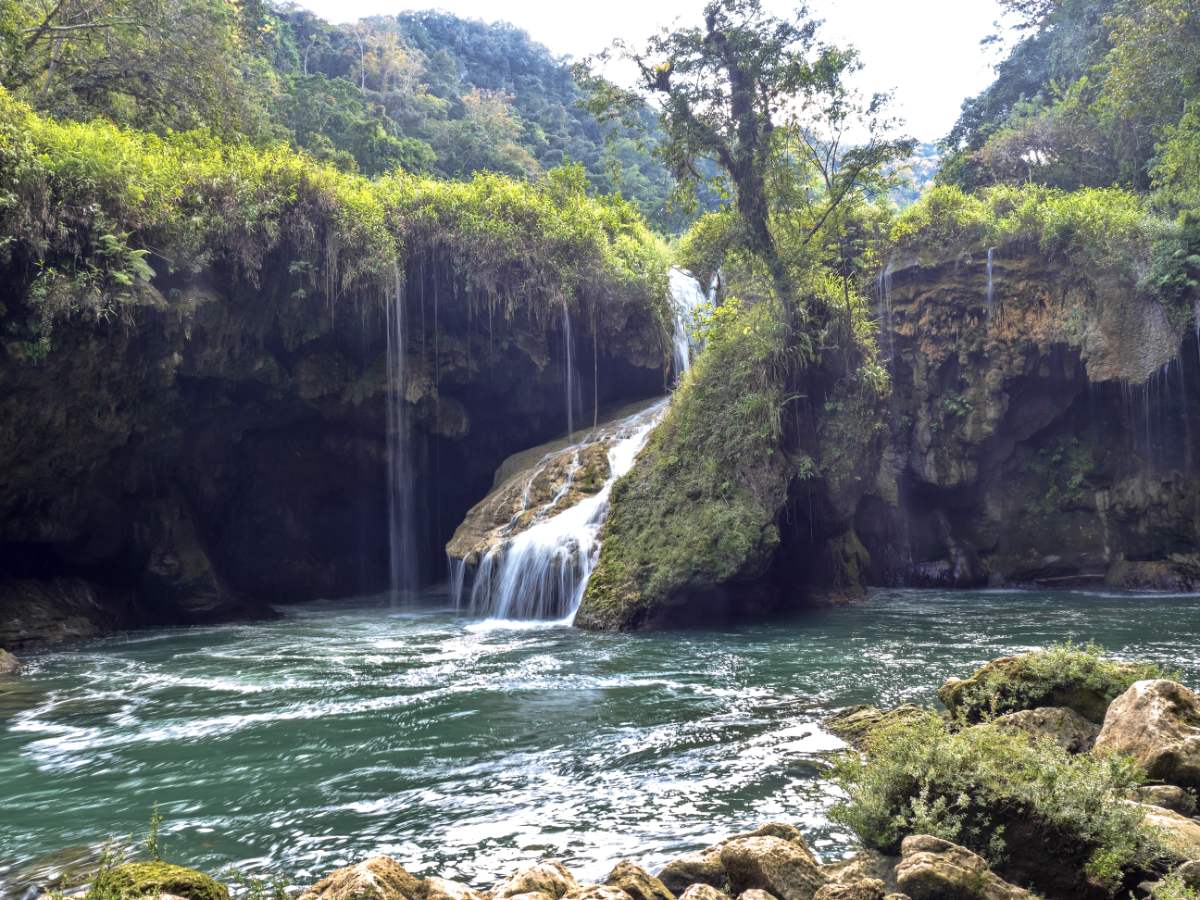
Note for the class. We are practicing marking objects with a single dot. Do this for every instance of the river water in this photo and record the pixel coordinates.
(465, 748)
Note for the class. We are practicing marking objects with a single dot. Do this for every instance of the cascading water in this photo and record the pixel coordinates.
(687, 299)
(542, 569)
(569, 364)
(991, 285)
(541, 572)
(402, 551)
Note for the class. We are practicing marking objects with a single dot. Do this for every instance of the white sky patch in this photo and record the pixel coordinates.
(927, 51)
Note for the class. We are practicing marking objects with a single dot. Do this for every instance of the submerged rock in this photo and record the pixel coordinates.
(1065, 727)
(376, 878)
(153, 879)
(1158, 724)
(934, 869)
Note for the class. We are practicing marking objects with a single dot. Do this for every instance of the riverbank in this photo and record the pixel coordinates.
(466, 748)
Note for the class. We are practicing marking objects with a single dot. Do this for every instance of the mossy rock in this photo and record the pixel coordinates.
(150, 879)
(1075, 678)
(856, 724)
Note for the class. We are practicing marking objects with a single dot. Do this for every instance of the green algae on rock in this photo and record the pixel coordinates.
(134, 880)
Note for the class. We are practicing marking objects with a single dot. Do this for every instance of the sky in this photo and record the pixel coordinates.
(927, 51)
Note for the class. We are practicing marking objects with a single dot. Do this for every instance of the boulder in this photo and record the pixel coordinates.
(701, 867)
(1063, 726)
(772, 864)
(444, 889)
(376, 878)
(9, 665)
(1190, 874)
(862, 889)
(703, 892)
(1179, 834)
(637, 882)
(547, 877)
(154, 879)
(705, 867)
(855, 724)
(596, 892)
(865, 865)
(1158, 724)
(934, 869)
(756, 894)
(1167, 796)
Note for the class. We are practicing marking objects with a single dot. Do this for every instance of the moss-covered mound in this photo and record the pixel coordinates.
(1076, 678)
(150, 879)
(1044, 818)
(698, 512)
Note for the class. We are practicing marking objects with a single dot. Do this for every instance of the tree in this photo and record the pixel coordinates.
(769, 103)
(155, 64)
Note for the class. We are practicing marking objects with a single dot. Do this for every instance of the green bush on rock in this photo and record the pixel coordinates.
(1065, 675)
(699, 508)
(1038, 813)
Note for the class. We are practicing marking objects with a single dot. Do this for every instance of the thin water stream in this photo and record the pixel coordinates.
(464, 748)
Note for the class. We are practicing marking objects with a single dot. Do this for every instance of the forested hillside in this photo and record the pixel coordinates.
(1095, 93)
(423, 91)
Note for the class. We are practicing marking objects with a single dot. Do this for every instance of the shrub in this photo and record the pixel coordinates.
(1014, 801)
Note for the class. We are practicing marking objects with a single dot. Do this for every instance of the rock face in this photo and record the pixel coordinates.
(376, 878)
(224, 445)
(1158, 724)
(933, 869)
(1065, 727)
(1040, 430)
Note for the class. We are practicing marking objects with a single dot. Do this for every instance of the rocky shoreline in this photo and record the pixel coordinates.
(1059, 773)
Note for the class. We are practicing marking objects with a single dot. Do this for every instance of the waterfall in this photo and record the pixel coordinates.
(991, 287)
(542, 571)
(569, 363)
(687, 300)
(402, 552)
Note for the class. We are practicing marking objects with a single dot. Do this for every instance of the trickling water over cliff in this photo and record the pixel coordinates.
(1043, 429)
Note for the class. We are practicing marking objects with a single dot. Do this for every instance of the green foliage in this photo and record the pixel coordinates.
(1173, 887)
(699, 508)
(1101, 227)
(93, 212)
(1078, 677)
(1061, 471)
(975, 786)
(153, 846)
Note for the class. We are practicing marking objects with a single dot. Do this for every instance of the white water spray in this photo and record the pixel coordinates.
(687, 301)
(569, 363)
(991, 286)
(402, 549)
(541, 572)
